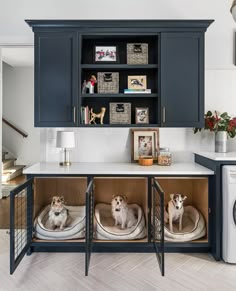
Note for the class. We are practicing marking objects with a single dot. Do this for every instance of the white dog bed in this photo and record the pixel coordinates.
(76, 228)
(193, 226)
(106, 230)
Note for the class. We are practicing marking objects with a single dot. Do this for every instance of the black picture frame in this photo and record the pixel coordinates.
(109, 54)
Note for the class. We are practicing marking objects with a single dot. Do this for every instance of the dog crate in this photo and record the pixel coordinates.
(135, 189)
(196, 190)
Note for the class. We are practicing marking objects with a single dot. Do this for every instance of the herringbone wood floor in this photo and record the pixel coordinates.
(109, 272)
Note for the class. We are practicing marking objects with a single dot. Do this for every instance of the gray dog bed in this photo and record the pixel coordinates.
(193, 226)
(75, 230)
(106, 230)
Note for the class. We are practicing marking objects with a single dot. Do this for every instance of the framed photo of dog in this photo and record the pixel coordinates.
(145, 143)
(141, 115)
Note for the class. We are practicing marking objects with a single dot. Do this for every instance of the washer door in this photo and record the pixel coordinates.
(234, 212)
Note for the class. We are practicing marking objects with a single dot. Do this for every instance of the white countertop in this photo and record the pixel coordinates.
(230, 156)
(117, 169)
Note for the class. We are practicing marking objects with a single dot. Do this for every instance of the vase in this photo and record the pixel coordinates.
(221, 142)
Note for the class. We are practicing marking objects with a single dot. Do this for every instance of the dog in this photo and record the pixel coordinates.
(97, 115)
(145, 146)
(58, 214)
(122, 213)
(175, 210)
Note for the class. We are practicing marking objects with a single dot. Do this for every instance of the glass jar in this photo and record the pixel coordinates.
(164, 157)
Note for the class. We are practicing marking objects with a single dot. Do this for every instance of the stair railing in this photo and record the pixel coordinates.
(14, 127)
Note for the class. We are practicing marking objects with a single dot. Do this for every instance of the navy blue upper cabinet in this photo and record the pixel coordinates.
(55, 79)
(182, 79)
(174, 72)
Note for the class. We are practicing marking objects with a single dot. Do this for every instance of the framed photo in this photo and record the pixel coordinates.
(137, 82)
(141, 115)
(145, 143)
(105, 54)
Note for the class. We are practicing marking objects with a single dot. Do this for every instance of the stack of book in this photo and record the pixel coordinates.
(137, 91)
(85, 114)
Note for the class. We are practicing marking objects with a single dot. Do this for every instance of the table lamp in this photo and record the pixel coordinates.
(65, 140)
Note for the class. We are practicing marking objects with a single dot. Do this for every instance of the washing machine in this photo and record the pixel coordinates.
(229, 214)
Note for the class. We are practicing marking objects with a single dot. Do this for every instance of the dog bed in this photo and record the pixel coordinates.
(106, 230)
(193, 226)
(75, 229)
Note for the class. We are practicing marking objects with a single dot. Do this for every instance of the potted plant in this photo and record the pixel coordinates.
(223, 125)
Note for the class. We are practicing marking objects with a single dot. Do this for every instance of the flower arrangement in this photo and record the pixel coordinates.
(219, 122)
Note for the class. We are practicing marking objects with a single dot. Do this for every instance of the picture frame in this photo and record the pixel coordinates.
(137, 82)
(141, 115)
(144, 143)
(105, 54)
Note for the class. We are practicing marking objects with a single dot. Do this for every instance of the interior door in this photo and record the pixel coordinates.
(89, 223)
(21, 222)
(157, 223)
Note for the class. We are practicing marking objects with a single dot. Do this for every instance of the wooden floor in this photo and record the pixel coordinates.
(108, 272)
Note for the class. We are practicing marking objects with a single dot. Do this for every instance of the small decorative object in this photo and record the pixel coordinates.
(99, 115)
(137, 53)
(141, 115)
(120, 113)
(164, 157)
(108, 82)
(105, 54)
(145, 161)
(145, 143)
(137, 82)
(223, 125)
(65, 140)
(89, 85)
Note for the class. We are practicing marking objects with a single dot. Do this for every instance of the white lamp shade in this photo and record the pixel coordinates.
(65, 139)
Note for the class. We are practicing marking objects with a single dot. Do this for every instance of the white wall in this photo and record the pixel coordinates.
(1, 119)
(18, 108)
(113, 144)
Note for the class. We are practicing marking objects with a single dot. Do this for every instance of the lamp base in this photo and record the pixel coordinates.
(65, 164)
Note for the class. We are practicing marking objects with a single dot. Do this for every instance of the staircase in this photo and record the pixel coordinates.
(9, 169)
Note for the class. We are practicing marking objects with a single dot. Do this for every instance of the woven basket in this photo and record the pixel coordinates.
(120, 113)
(108, 82)
(137, 53)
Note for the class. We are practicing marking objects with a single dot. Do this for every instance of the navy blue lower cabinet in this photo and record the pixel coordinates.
(149, 192)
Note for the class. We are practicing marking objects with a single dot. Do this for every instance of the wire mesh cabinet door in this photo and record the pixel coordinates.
(157, 223)
(89, 223)
(21, 222)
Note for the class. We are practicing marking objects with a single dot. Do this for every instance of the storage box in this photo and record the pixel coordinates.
(137, 53)
(108, 82)
(120, 113)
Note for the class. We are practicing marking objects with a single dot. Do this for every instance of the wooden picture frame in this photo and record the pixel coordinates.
(137, 82)
(141, 115)
(105, 54)
(144, 143)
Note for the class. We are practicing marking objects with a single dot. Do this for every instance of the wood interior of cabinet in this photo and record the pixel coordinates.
(73, 190)
(144, 240)
(196, 190)
(68, 240)
(135, 189)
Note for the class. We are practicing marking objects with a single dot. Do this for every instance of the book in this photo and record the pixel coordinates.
(137, 91)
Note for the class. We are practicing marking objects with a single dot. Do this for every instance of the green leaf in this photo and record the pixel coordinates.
(225, 115)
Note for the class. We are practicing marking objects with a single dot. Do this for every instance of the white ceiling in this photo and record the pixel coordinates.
(18, 56)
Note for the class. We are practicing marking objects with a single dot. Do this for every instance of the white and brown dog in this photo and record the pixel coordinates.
(122, 213)
(175, 210)
(58, 214)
